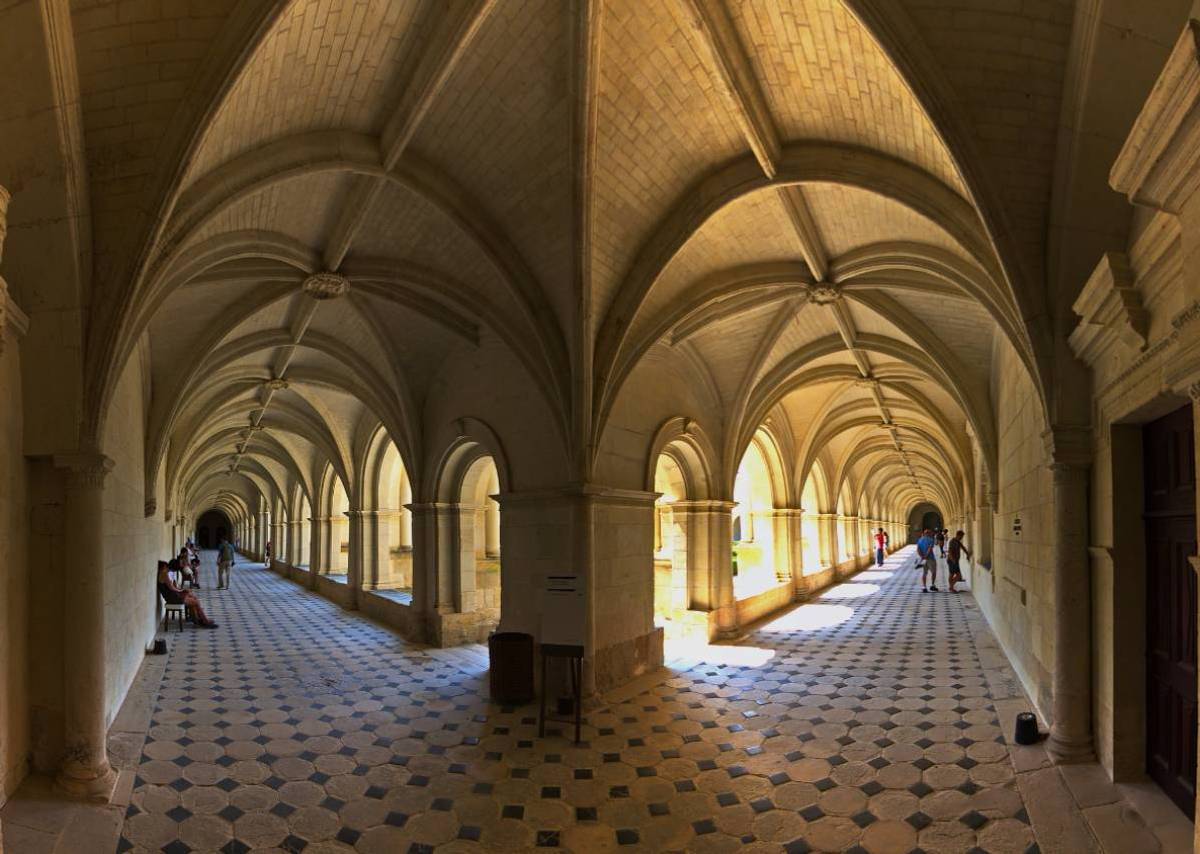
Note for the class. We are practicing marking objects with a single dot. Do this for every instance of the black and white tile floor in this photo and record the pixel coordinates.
(859, 723)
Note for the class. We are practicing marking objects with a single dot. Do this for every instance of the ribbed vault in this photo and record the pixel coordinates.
(588, 188)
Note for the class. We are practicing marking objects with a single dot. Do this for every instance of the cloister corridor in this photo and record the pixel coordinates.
(875, 718)
(623, 332)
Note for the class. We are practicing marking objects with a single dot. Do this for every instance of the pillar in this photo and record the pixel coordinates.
(424, 572)
(356, 523)
(316, 552)
(827, 524)
(296, 543)
(264, 526)
(85, 771)
(709, 531)
(378, 570)
(1071, 730)
(604, 536)
(789, 548)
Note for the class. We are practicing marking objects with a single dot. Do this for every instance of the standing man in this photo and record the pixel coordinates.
(928, 561)
(954, 551)
(224, 563)
(881, 543)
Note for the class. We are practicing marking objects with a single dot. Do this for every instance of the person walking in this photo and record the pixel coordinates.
(225, 555)
(939, 539)
(881, 543)
(954, 552)
(928, 561)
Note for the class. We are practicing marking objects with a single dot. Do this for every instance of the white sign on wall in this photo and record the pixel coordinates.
(564, 615)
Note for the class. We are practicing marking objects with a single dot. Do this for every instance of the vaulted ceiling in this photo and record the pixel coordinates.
(774, 190)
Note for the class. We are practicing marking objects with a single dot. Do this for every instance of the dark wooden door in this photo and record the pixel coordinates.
(1170, 484)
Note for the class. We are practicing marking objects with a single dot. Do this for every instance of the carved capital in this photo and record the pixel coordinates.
(150, 507)
(84, 470)
(326, 285)
(1068, 447)
(1194, 392)
(168, 514)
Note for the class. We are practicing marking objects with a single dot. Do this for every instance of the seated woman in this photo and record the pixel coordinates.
(174, 596)
(187, 567)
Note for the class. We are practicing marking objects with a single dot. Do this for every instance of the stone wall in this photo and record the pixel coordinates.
(14, 575)
(1017, 595)
(133, 543)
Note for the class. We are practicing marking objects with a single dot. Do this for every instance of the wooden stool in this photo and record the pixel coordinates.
(575, 655)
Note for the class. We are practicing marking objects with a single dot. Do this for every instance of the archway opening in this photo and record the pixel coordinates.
(338, 561)
(810, 528)
(478, 588)
(211, 527)
(389, 569)
(924, 515)
(303, 532)
(671, 598)
(754, 569)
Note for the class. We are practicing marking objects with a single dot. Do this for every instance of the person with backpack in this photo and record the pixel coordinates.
(928, 561)
(225, 561)
(881, 543)
(954, 551)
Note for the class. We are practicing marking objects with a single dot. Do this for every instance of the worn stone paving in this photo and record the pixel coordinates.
(861, 722)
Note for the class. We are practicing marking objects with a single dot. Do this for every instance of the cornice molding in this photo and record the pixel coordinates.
(1110, 308)
(1159, 164)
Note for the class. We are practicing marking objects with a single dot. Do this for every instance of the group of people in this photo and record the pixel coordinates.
(931, 546)
(187, 565)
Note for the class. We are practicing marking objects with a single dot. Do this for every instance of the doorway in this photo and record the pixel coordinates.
(1169, 461)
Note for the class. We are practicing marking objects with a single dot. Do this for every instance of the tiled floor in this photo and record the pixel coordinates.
(861, 722)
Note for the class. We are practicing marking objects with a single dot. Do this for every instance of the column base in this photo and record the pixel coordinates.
(93, 784)
(618, 663)
(1069, 752)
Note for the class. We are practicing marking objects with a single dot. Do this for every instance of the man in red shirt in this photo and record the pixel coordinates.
(881, 542)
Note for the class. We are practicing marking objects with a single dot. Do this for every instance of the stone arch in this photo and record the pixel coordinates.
(687, 443)
(468, 533)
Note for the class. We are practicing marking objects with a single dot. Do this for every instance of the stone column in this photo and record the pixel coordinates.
(827, 525)
(356, 520)
(709, 526)
(85, 771)
(1071, 731)
(424, 572)
(379, 574)
(789, 548)
(316, 554)
(264, 528)
(446, 539)
(324, 528)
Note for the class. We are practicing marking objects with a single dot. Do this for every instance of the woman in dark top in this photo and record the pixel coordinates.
(172, 595)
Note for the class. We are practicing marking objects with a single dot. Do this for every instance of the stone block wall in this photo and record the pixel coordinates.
(133, 543)
(14, 576)
(1017, 596)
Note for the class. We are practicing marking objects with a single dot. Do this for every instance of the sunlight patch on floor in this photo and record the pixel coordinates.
(808, 618)
(850, 591)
